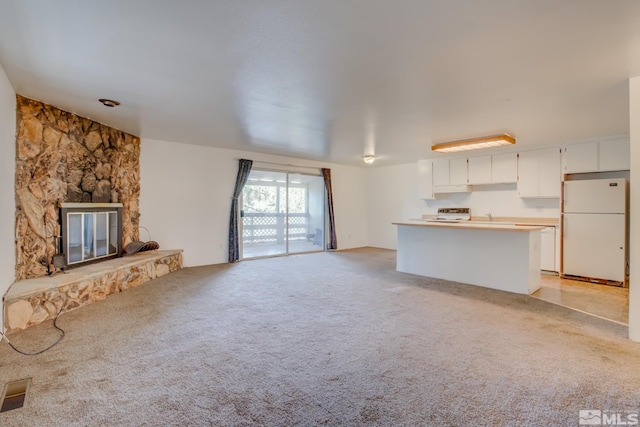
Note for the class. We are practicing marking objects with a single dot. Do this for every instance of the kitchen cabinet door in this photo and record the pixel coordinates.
(539, 173)
(528, 175)
(614, 155)
(548, 249)
(480, 170)
(504, 168)
(441, 172)
(581, 158)
(458, 171)
(425, 179)
(549, 172)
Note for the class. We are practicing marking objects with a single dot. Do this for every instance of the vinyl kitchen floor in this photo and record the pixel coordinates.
(608, 302)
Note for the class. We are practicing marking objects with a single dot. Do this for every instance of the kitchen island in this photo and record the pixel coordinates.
(498, 256)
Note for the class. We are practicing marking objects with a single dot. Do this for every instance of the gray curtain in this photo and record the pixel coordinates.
(243, 174)
(332, 244)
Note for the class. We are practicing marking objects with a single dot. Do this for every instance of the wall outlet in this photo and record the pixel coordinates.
(539, 209)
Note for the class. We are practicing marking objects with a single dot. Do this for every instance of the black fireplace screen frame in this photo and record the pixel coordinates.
(70, 208)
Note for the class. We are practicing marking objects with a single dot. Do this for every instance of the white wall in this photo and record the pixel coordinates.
(186, 193)
(350, 205)
(7, 191)
(393, 196)
(634, 210)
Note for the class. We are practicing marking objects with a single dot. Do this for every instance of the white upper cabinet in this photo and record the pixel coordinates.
(550, 179)
(504, 168)
(458, 171)
(495, 169)
(539, 173)
(425, 179)
(450, 175)
(597, 156)
(449, 172)
(528, 174)
(614, 155)
(441, 172)
(581, 158)
(480, 170)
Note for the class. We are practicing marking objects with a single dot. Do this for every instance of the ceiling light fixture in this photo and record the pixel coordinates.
(369, 158)
(474, 143)
(109, 102)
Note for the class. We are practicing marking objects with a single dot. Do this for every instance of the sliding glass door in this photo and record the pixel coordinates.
(282, 213)
(305, 232)
(264, 205)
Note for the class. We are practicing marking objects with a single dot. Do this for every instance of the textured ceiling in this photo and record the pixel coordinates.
(331, 79)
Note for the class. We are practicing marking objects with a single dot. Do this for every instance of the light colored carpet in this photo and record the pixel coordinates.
(321, 339)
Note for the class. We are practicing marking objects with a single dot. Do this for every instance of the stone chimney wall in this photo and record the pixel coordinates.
(61, 157)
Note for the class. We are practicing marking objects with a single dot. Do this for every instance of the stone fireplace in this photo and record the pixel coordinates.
(77, 178)
(64, 158)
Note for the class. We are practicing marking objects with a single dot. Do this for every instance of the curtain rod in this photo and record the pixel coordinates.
(287, 164)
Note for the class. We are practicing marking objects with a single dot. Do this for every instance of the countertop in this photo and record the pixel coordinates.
(477, 225)
(545, 222)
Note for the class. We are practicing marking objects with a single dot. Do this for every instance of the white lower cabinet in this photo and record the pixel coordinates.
(548, 249)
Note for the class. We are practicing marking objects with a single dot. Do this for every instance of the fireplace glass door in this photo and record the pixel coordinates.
(91, 235)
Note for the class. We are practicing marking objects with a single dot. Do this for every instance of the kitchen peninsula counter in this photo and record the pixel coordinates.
(514, 220)
(498, 256)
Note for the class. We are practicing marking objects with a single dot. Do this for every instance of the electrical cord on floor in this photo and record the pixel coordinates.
(55, 325)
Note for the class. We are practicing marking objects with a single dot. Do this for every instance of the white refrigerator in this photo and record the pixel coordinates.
(594, 229)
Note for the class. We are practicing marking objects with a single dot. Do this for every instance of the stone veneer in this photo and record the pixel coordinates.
(30, 302)
(61, 157)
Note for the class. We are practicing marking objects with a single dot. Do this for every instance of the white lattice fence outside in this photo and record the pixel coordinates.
(271, 228)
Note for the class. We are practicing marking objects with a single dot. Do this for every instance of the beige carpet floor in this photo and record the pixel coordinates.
(338, 339)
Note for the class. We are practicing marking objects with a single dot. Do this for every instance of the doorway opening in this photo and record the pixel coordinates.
(282, 213)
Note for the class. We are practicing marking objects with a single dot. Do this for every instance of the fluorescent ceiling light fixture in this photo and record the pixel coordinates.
(369, 158)
(474, 143)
